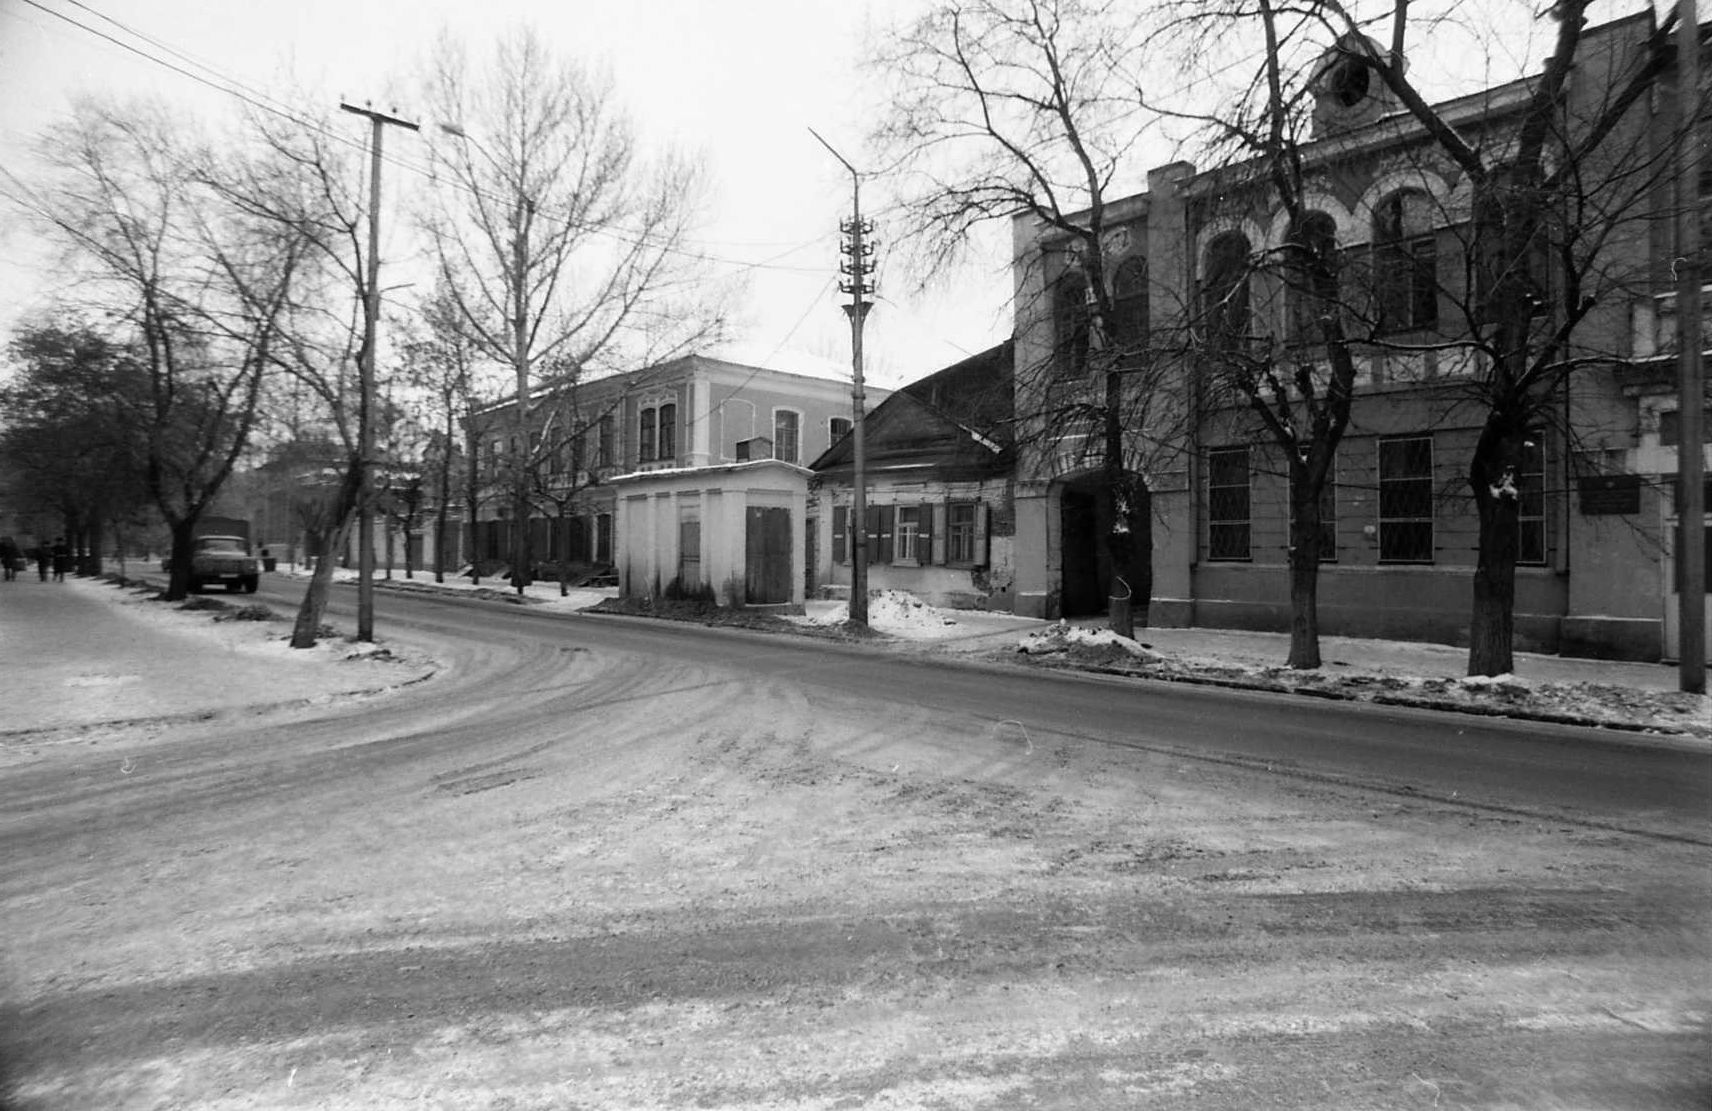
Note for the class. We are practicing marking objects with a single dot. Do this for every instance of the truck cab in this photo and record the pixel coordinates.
(223, 559)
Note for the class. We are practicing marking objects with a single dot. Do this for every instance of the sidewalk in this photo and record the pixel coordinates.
(84, 652)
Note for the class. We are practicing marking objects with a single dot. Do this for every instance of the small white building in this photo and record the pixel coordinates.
(735, 528)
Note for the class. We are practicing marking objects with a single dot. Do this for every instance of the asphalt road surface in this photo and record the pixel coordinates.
(609, 863)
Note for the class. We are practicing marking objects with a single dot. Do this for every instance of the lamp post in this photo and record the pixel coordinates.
(859, 288)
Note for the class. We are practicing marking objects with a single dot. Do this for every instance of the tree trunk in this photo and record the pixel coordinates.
(1141, 553)
(308, 626)
(178, 585)
(1304, 572)
(1491, 632)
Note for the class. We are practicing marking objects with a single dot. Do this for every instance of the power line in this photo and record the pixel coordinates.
(264, 102)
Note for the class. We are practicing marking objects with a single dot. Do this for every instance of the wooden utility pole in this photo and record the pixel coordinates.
(365, 406)
(857, 269)
(1691, 389)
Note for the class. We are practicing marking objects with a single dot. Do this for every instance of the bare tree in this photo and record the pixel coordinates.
(440, 362)
(1558, 186)
(198, 289)
(556, 240)
(570, 425)
(1007, 109)
(304, 178)
(1289, 359)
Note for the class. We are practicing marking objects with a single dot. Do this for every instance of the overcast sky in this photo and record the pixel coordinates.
(742, 80)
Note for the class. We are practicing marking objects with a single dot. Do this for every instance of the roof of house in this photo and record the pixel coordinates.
(957, 421)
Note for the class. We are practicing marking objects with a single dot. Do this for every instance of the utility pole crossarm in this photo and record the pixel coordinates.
(857, 268)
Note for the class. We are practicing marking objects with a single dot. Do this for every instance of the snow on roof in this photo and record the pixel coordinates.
(790, 362)
(676, 472)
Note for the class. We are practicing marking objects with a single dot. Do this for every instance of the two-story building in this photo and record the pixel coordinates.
(692, 412)
(1203, 249)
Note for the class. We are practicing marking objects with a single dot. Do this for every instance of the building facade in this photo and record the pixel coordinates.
(1202, 251)
(940, 506)
(692, 412)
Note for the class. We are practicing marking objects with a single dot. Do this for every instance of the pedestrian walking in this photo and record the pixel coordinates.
(61, 558)
(10, 557)
(44, 556)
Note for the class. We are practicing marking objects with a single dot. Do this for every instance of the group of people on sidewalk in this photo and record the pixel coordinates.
(55, 557)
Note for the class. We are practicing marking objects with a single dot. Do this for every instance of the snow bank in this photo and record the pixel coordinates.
(897, 612)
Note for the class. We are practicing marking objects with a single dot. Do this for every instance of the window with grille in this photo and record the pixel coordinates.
(840, 428)
(786, 426)
(1406, 499)
(1531, 503)
(1228, 523)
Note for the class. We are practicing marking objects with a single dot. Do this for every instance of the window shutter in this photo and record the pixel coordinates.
(879, 534)
(840, 553)
(981, 534)
(941, 515)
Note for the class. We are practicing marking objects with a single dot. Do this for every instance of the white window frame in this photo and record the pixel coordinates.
(798, 435)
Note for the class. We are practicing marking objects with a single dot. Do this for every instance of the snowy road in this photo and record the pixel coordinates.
(1659, 786)
(606, 864)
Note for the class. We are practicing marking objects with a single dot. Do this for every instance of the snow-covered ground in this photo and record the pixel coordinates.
(131, 668)
(541, 593)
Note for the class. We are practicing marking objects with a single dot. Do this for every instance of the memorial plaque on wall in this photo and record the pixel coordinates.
(1605, 495)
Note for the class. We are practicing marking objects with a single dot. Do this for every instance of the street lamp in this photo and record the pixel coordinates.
(517, 278)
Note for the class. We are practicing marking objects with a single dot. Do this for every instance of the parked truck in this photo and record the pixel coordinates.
(220, 553)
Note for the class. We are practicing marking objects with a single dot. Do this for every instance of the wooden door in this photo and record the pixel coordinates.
(767, 551)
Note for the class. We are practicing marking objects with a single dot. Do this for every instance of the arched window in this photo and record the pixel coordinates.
(1129, 305)
(1224, 291)
(1405, 262)
(1511, 253)
(1311, 275)
(1070, 326)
